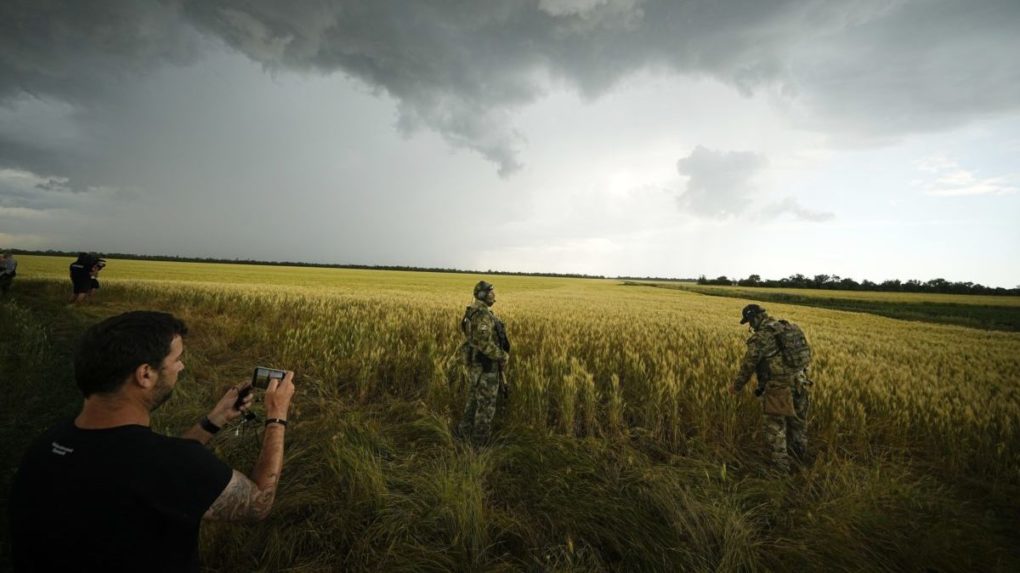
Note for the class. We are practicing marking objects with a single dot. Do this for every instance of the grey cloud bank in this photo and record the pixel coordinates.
(216, 112)
(875, 68)
(862, 69)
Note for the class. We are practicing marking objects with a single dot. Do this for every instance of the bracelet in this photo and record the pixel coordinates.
(208, 426)
(280, 421)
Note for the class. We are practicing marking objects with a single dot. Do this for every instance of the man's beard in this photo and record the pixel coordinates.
(161, 393)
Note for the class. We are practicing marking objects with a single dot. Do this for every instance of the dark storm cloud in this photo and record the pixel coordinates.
(462, 68)
(866, 68)
(720, 183)
(86, 54)
(874, 67)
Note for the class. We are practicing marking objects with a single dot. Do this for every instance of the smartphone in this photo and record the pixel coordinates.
(261, 376)
(259, 379)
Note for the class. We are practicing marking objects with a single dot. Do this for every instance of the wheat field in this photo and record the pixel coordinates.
(619, 448)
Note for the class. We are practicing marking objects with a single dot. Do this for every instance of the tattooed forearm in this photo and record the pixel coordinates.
(251, 499)
(241, 500)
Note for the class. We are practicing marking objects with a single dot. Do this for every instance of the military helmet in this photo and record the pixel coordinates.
(750, 311)
(482, 288)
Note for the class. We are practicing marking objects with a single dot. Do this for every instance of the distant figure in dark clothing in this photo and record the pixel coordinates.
(81, 276)
(8, 270)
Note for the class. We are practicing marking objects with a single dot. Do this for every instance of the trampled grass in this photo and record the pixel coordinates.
(618, 449)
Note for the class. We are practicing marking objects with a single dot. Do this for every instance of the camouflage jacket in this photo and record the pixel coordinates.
(764, 359)
(481, 334)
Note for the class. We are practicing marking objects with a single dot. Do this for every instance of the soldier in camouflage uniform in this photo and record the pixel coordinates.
(486, 357)
(782, 387)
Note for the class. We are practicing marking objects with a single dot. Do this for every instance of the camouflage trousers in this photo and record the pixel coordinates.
(476, 424)
(787, 435)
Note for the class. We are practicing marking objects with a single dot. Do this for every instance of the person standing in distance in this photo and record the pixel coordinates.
(81, 278)
(486, 354)
(778, 355)
(103, 492)
(8, 270)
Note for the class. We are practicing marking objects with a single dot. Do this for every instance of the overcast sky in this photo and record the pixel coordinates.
(868, 139)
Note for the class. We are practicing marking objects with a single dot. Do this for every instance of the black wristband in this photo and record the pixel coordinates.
(208, 426)
(280, 421)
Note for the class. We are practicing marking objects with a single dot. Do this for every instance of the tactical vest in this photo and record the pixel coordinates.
(469, 354)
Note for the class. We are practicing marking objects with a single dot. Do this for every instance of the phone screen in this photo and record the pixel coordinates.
(261, 377)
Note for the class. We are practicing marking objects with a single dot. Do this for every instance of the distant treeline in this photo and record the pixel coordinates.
(834, 282)
(132, 256)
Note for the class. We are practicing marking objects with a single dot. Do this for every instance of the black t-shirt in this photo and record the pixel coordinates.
(119, 499)
(80, 278)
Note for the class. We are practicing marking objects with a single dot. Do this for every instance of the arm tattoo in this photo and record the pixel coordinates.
(241, 500)
(251, 499)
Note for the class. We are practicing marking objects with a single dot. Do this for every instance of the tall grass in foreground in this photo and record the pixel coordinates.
(618, 449)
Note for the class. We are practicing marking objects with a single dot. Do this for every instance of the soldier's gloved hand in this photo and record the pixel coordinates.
(733, 390)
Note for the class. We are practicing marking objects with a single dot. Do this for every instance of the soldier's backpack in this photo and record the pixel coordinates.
(465, 349)
(793, 345)
(465, 322)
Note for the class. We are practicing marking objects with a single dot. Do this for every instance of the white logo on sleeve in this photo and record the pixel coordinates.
(61, 450)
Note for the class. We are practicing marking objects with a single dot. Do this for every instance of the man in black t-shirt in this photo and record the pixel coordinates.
(103, 492)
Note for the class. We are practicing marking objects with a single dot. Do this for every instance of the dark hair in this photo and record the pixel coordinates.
(111, 350)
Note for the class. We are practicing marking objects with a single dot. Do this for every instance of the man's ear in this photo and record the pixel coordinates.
(145, 376)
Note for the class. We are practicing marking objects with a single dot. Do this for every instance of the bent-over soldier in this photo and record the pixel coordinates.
(778, 355)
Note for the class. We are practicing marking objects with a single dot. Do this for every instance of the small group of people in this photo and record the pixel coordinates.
(103, 492)
(85, 276)
(777, 355)
(8, 270)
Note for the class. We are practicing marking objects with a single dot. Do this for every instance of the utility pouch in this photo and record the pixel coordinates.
(778, 401)
(488, 365)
